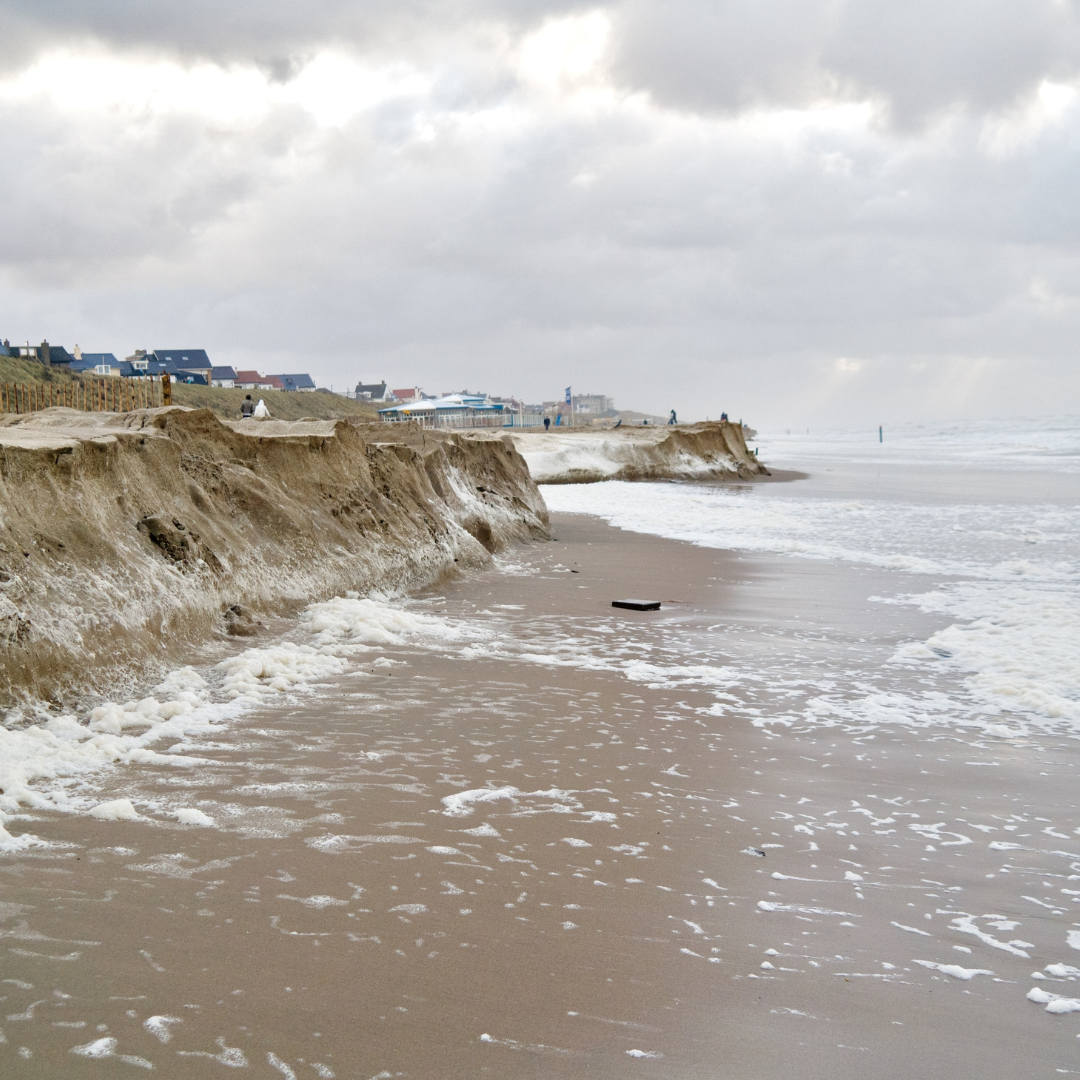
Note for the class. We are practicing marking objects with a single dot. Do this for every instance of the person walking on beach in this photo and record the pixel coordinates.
(672, 422)
(547, 423)
(247, 408)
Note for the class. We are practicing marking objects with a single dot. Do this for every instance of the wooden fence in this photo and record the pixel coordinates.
(90, 395)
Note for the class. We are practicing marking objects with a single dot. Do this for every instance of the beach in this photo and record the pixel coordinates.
(816, 812)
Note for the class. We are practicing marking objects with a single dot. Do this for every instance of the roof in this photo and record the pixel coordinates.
(451, 402)
(374, 389)
(184, 358)
(296, 382)
(273, 381)
(248, 377)
(92, 359)
(408, 392)
(222, 373)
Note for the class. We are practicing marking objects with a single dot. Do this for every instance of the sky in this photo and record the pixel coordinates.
(839, 212)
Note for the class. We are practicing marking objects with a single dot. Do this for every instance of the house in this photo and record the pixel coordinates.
(49, 355)
(249, 380)
(223, 376)
(101, 363)
(371, 392)
(188, 361)
(142, 364)
(410, 393)
(272, 382)
(185, 359)
(296, 382)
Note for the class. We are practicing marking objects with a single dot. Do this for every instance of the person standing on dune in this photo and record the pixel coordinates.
(247, 408)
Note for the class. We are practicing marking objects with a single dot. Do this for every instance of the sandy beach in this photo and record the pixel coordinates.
(537, 835)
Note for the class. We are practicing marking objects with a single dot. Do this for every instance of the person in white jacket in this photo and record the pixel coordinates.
(261, 411)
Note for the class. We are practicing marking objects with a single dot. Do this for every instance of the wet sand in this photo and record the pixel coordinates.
(539, 853)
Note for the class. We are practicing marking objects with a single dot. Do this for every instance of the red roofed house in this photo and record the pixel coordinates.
(252, 380)
(410, 393)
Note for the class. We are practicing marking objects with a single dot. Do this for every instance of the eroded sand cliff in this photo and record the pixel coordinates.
(126, 539)
(714, 450)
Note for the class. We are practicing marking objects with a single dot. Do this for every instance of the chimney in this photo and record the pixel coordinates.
(77, 352)
(43, 354)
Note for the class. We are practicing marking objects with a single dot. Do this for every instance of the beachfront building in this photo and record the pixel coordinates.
(594, 405)
(225, 377)
(452, 410)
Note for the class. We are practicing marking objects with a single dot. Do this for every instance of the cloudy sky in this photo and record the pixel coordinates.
(833, 211)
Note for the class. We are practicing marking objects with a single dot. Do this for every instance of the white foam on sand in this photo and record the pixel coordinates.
(955, 970)
(1055, 1003)
(553, 800)
(55, 762)
(352, 620)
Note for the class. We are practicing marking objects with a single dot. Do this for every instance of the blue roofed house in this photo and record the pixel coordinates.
(223, 376)
(49, 355)
(187, 362)
(101, 363)
(297, 382)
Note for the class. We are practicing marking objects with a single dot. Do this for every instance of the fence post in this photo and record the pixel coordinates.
(166, 389)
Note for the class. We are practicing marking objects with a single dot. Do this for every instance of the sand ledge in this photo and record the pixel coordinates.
(128, 538)
(709, 451)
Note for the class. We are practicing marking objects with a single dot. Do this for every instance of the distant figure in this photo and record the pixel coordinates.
(547, 422)
(247, 408)
(644, 423)
(261, 411)
(723, 416)
(880, 434)
(672, 422)
(618, 423)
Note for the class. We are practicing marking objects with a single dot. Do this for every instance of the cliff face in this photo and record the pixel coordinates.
(694, 452)
(126, 539)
